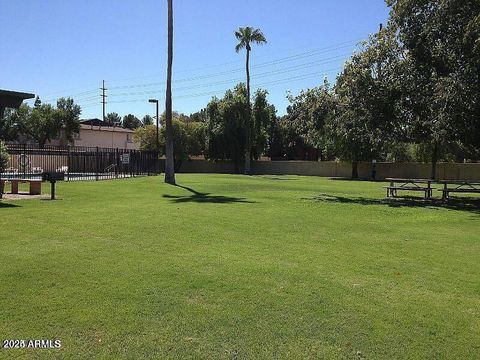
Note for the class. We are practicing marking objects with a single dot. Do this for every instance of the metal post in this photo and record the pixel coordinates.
(52, 192)
(96, 165)
(24, 161)
(116, 162)
(158, 140)
(68, 163)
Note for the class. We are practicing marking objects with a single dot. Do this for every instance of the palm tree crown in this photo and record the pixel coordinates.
(247, 36)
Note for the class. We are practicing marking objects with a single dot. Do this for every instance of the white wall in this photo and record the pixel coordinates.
(106, 138)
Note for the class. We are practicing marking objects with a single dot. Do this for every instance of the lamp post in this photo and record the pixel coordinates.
(155, 101)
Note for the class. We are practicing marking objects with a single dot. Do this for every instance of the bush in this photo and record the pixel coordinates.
(3, 157)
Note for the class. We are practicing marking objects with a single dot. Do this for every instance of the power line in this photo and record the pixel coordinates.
(331, 47)
(221, 91)
(76, 96)
(69, 90)
(227, 81)
(307, 54)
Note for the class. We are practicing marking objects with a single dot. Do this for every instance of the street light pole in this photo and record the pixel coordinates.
(156, 103)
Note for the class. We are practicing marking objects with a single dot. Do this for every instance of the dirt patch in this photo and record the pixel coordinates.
(24, 196)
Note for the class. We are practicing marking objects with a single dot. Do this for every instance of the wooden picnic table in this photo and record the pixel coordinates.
(35, 186)
(402, 184)
(459, 186)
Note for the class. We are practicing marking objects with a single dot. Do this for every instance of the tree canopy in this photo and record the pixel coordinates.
(113, 119)
(226, 125)
(131, 122)
(43, 122)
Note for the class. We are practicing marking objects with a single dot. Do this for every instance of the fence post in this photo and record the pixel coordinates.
(116, 162)
(24, 161)
(96, 165)
(132, 166)
(146, 163)
(68, 163)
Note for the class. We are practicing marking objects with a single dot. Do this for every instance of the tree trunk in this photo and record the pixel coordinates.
(434, 161)
(247, 123)
(354, 169)
(169, 161)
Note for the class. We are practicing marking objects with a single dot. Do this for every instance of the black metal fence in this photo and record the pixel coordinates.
(79, 163)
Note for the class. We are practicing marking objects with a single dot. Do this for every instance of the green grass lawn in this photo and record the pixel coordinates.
(239, 267)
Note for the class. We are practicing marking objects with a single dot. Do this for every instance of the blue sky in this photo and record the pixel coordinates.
(59, 48)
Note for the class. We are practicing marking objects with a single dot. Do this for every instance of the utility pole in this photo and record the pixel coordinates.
(104, 98)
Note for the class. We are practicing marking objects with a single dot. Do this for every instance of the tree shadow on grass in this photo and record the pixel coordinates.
(460, 204)
(204, 197)
(354, 180)
(276, 178)
(7, 205)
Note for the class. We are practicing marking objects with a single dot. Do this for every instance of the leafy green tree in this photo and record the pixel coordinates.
(199, 116)
(147, 120)
(189, 139)
(368, 97)
(308, 113)
(175, 116)
(43, 122)
(146, 137)
(131, 122)
(227, 127)
(277, 141)
(113, 119)
(9, 127)
(69, 116)
(442, 81)
(264, 115)
(4, 157)
(40, 123)
(246, 37)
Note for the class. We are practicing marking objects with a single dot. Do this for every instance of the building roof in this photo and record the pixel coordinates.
(94, 121)
(105, 128)
(13, 99)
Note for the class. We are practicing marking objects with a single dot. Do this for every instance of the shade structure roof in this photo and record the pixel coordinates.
(13, 99)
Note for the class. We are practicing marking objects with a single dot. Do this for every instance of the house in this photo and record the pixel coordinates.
(97, 133)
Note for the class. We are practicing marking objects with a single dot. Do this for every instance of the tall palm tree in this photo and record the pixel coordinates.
(247, 36)
(169, 160)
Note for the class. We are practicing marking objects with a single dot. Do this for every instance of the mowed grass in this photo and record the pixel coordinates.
(235, 267)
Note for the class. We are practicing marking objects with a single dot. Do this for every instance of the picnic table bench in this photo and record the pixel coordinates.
(423, 185)
(35, 185)
(459, 186)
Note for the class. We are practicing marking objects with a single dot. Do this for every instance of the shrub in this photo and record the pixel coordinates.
(3, 157)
